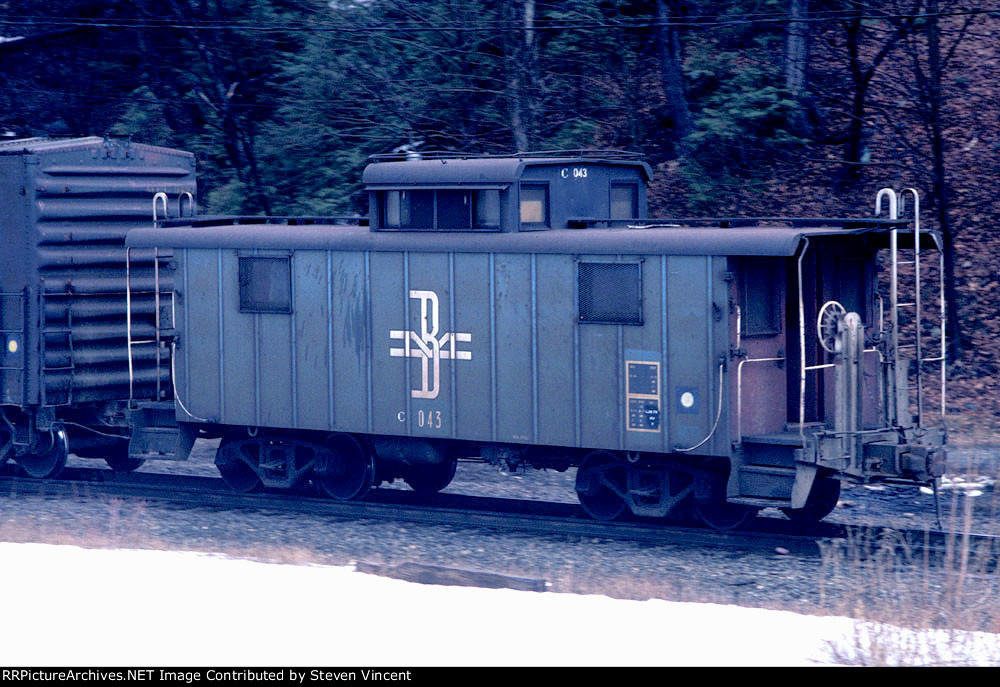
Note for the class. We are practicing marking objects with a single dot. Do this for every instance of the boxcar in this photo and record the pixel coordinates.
(527, 311)
(66, 375)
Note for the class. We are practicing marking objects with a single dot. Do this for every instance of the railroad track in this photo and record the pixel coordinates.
(497, 514)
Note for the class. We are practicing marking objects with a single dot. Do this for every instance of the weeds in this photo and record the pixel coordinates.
(915, 606)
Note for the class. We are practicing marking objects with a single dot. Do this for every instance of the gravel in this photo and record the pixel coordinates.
(570, 564)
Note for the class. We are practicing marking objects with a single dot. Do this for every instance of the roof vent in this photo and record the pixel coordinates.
(409, 150)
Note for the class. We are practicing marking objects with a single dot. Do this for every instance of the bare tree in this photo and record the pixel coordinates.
(522, 70)
(672, 69)
(929, 54)
(797, 60)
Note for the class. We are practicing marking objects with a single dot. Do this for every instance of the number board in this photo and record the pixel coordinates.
(643, 395)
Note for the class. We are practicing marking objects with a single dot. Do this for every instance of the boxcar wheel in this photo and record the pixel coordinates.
(346, 471)
(716, 512)
(601, 481)
(50, 460)
(236, 472)
(822, 500)
(430, 479)
(119, 461)
(124, 463)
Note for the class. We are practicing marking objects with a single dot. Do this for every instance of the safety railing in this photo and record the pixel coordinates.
(897, 207)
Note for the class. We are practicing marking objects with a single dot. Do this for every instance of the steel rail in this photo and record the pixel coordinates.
(491, 513)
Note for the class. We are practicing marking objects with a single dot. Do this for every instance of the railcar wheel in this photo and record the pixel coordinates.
(716, 512)
(234, 466)
(822, 500)
(347, 471)
(124, 463)
(119, 461)
(430, 479)
(601, 483)
(51, 459)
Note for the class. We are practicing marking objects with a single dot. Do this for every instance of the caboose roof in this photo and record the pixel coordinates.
(763, 240)
(476, 171)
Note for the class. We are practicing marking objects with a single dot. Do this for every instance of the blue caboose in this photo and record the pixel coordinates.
(526, 310)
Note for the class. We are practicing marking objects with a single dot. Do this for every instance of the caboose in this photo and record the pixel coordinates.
(526, 310)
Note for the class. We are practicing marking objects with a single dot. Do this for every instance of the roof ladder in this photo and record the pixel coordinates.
(896, 382)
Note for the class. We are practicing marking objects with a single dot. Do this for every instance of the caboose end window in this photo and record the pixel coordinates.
(624, 201)
(761, 297)
(534, 205)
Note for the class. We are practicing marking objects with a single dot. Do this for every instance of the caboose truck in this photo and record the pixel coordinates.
(524, 309)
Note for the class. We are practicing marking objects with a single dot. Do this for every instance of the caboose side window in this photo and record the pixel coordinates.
(444, 209)
(534, 205)
(624, 199)
(408, 209)
(761, 296)
(391, 209)
(419, 208)
(454, 209)
(610, 292)
(265, 285)
(487, 209)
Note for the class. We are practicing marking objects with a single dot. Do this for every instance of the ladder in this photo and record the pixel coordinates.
(162, 335)
(896, 375)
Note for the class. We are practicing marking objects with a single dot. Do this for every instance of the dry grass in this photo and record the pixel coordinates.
(122, 524)
(916, 608)
(119, 528)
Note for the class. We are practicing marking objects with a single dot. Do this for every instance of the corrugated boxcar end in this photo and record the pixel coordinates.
(68, 204)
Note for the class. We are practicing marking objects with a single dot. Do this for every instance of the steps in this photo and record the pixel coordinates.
(156, 435)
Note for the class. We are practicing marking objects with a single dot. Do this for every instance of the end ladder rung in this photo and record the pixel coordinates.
(906, 262)
(905, 305)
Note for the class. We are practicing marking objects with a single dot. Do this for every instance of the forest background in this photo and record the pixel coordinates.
(742, 107)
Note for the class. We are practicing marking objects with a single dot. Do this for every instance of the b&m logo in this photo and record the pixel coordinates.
(427, 346)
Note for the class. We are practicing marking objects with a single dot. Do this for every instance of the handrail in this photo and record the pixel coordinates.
(916, 301)
(802, 347)
(158, 197)
(718, 415)
(180, 203)
(597, 153)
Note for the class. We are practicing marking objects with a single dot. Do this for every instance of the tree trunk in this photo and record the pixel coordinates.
(797, 60)
(855, 144)
(522, 66)
(939, 183)
(672, 74)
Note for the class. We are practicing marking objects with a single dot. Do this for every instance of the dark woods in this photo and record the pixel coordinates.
(800, 107)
